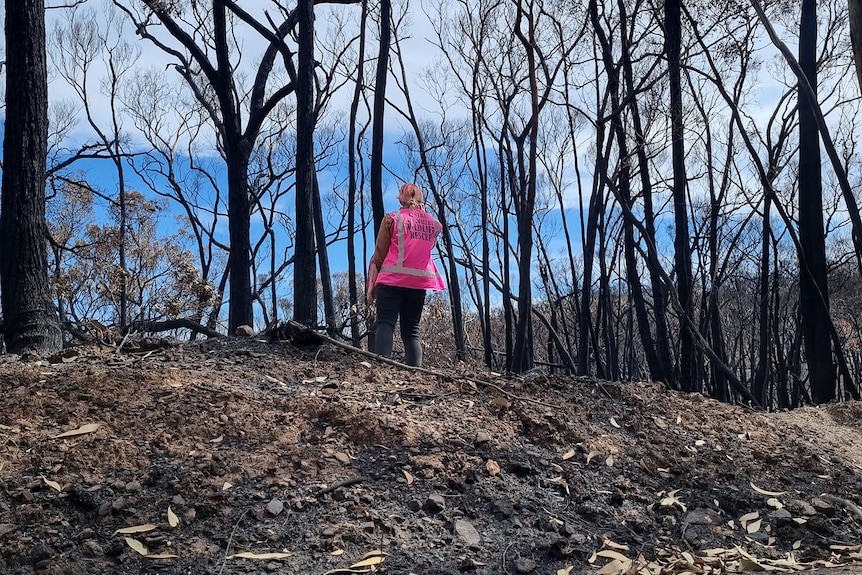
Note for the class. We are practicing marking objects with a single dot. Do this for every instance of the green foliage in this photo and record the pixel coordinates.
(162, 279)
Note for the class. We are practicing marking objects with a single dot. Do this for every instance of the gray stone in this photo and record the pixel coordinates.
(275, 506)
(244, 331)
(801, 507)
(525, 565)
(703, 516)
(482, 437)
(91, 548)
(435, 503)
(467, 533)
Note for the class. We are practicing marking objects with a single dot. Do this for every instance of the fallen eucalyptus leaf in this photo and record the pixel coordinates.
(137, 546)
(89, 428)
(136, 529)
(173, 520)
(749, 517)
(162, 556)
(610, 544)
(754, 526)
(259, 556)
(372, 561)
(611, 554)
(53, 484)
(765, 492)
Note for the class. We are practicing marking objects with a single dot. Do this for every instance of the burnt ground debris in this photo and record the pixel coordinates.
(312, 458)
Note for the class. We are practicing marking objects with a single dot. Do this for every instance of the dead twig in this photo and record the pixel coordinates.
(846, 503)
(503, 562)
(123, 342)
(230, 539)
(337, 484)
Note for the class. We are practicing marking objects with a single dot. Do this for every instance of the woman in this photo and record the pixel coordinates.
(401, 271)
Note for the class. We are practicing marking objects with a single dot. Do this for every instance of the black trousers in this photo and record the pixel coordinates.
(402, 305)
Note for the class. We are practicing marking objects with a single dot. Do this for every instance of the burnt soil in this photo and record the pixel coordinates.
(253, 457)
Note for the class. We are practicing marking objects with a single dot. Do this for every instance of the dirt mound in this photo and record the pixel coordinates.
(244, 456)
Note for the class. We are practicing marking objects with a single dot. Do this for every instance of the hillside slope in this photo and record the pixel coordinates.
(250, 457)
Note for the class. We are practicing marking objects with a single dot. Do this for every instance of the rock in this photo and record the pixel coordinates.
(525, 565)
(133, 487)
(91, 548)
(414, 505)
(465, 530)
(467, 564)
(118, 504)
(801, 507)
(482, 437)
(189, 515)
(435, 503)
(244, 331)
(105, 508)
(274, 507)
(85, 534)
(703, 516)
(823, 506)
(428, 462)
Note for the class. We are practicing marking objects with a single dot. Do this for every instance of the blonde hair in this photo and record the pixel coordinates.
(410, 196)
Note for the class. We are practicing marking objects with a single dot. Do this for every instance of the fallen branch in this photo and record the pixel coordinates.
(442, 375)
(172, 324)
(337, 484)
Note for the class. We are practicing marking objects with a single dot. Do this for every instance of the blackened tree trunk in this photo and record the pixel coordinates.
(304, 268)
(813, 288)
(323, 257)
(522, 359)
(624, 187)
(352, 145)
(377, 210)
(682, 251)
(855, 16)
(237, 152)
(30, 322)
(760, 385)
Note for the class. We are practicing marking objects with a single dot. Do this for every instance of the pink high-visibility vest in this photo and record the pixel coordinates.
(408, 262)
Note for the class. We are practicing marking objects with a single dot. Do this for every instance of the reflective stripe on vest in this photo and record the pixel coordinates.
(399, 267)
